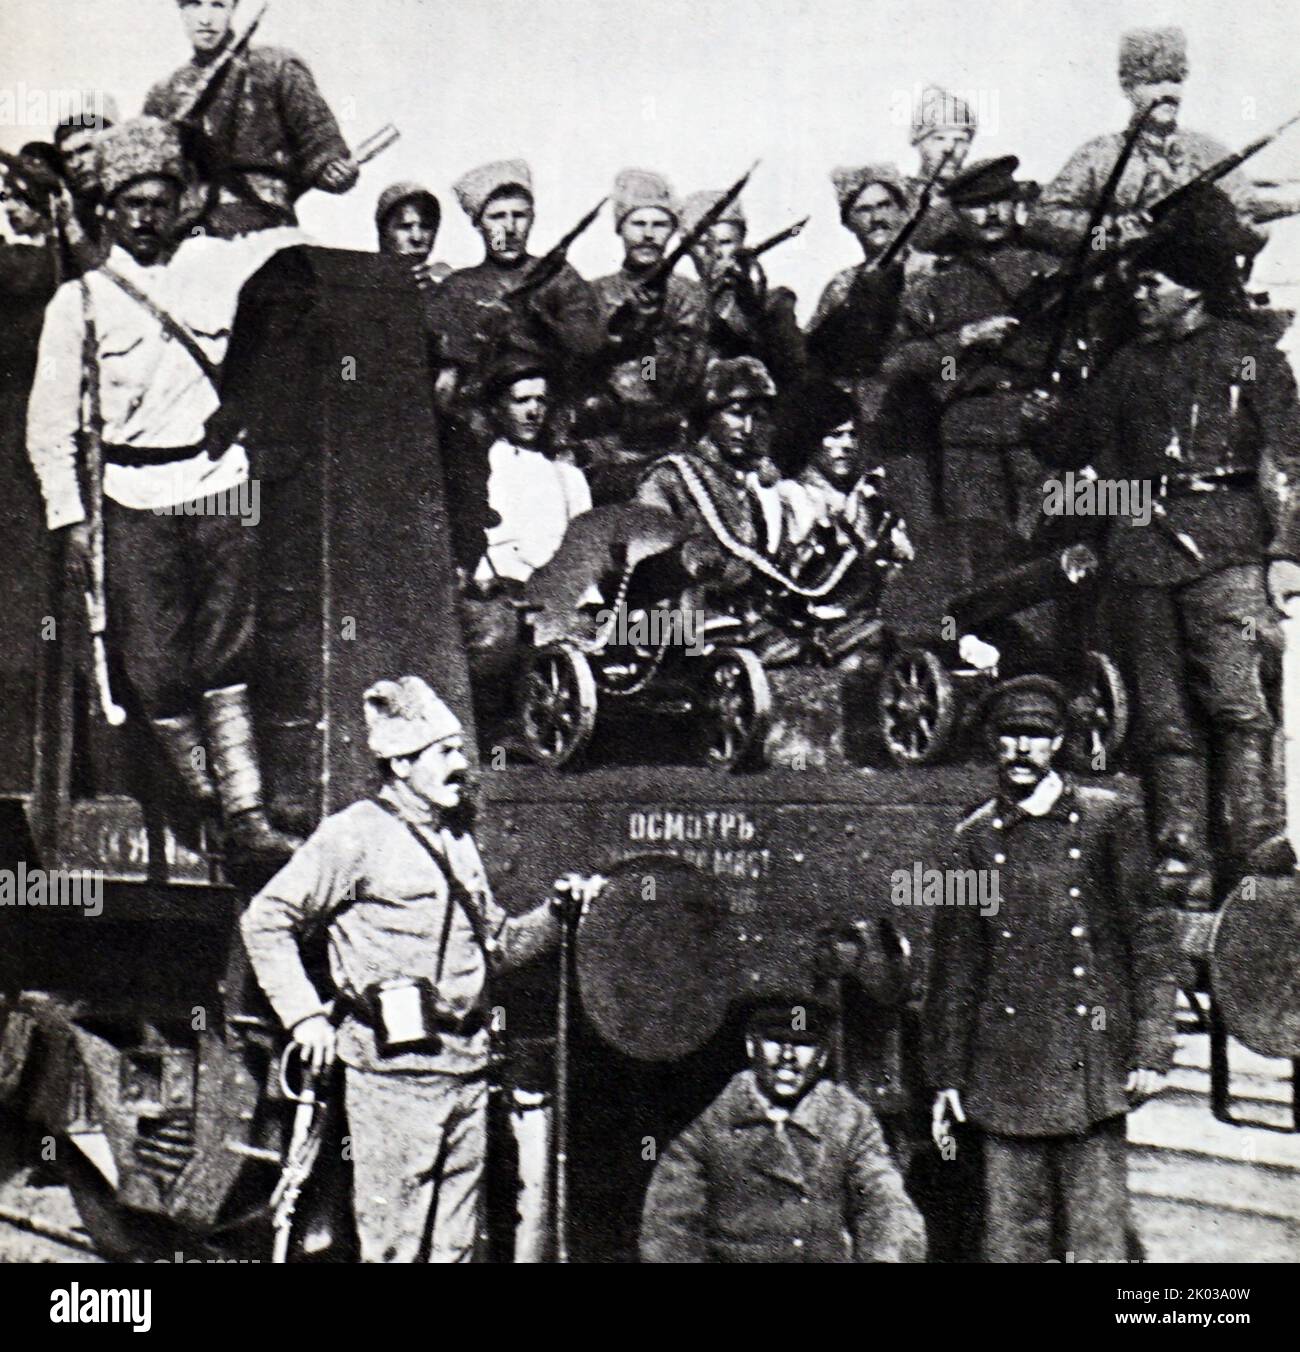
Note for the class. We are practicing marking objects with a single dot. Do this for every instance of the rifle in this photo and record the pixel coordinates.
(1100, 209)
(909, 226)
(190, 112)
(771, 242)
(299, 1158)
(549, 264)
(659, 274)
(93, 448)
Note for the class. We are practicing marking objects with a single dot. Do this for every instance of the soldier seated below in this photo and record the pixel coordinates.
(784, 1166)
(533, 492)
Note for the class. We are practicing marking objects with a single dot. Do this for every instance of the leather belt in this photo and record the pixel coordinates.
(136, 457)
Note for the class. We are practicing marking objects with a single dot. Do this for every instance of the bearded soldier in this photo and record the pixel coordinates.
(180, 558)
(656, 338)
(415, 937)
(746, 318)
(470, 313)
(1048, 1018)
(264, 135)
(1152, 68)
(1199, 413)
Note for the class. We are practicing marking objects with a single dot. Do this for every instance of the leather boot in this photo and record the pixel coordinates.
(179, 738)
(1251, 811)
(239, 779)
(1178, 786)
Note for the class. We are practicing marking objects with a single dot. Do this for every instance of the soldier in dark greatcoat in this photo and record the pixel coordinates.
(1199, 414)
(783, 1167)
(1050, 1015)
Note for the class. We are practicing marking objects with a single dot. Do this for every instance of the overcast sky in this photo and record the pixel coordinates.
(694, 88)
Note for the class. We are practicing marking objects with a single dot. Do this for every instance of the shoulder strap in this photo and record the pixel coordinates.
(170, 323)
(456, 890)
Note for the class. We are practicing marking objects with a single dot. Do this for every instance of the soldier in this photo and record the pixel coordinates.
(1199, 416)
(656, 339)
(263, 137)
(726, 487)
(559, 320)
(1152, 68)
(784, 1166)
(745, 317)
(943, 129)
(79, 211)
(415, 937)
(1051, 1014)
(957, 332)
(858, 310)
(533, 492)
(407, 217)
(180, 561)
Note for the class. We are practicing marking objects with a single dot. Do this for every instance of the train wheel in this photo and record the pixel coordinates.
(557, 704)
(917, 707)
(735, 710)
(1099, 715)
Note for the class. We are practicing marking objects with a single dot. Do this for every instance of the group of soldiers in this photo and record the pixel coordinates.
(995, 334)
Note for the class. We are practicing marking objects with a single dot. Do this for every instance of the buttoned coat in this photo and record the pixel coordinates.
(732, 1188)
(1038, 1013)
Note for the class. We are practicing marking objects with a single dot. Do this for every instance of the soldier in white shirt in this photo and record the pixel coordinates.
(534, 492)
(180, 554)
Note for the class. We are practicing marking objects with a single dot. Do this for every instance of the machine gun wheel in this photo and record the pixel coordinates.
(916, 706)
(557, 704)
(735, 707)
(1099, 715)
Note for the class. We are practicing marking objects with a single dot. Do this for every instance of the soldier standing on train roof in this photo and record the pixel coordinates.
(1047, 1021)
(180, 557)
(559, 321)
(943, 130)
(415, 937)
(784, 1166)
(1200, 414)
(1152, 69)
(656, 339)
(265, 136)
(747, 318)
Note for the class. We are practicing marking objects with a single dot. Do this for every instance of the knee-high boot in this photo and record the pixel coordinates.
(180, 737)
(239, 779)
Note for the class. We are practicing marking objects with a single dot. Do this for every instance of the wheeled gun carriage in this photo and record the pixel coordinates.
(132, 1032)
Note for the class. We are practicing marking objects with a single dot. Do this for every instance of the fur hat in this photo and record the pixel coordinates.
(144, 147)
(938, 110)
(398, 194)
(849, 181)
(698, 204)
(637, 188)
(404, 716)
(1198, 245)
(1151, 55)
(791, 1017)
(477, 188)
(731, 379)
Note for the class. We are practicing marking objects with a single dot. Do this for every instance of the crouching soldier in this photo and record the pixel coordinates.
(414, 939)
(1053, 1015)
(784, 1166)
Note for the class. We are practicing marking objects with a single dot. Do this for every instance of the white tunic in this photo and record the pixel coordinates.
(152, 392)
(536, 498)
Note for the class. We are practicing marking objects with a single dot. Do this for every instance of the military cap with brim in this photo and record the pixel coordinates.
(1033, 704)
(515, 363)
(790, 1017)
(1198, 244)
(811, 411)
(987, 181)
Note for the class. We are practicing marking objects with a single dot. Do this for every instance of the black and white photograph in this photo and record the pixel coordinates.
(657, 632)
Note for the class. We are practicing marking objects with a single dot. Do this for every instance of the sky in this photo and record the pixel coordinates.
(694, 88)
